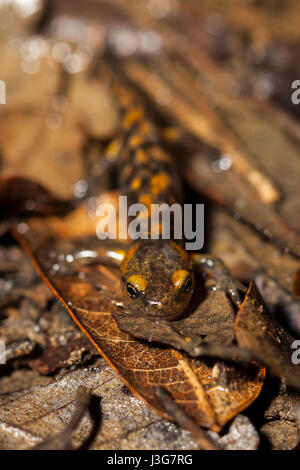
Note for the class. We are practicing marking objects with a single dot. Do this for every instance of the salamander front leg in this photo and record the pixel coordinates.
(215, 268)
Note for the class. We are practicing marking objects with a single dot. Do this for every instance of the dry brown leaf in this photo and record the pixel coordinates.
(92, 295)
(118, 420)
(270, 344)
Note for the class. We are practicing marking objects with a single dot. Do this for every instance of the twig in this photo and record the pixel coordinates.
(62, 441)
(173, 409)
(19, 349)
(231, 353)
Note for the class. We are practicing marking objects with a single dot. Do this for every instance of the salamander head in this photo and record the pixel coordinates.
(157, 279)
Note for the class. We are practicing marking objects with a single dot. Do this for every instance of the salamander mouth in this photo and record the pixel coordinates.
(169, 316)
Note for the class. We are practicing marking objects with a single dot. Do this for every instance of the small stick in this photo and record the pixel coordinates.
(173, 409)
(231, 353)
(19, 349)
(62, 441)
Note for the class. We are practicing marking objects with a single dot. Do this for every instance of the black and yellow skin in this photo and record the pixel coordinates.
(157, 279)
(156, 275)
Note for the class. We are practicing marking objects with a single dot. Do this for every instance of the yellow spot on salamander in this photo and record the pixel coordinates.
(135, 140)
(138, 281)
(146, 199)
(159, 183)
(127, 171)
(141, 156)
(136, 184)
(113, 149)
(179, 276)
(146, 128)
(158, 154)
(132, 116)
(172, 134)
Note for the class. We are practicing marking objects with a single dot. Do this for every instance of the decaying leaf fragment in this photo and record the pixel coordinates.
(281, 428)
(271, 345)
(116, 419)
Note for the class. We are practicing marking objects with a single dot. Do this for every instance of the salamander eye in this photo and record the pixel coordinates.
(187, 285)
(135, 285)
(132, 291)
(182, 280)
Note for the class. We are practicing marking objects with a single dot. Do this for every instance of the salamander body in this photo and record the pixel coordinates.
(156, 274)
